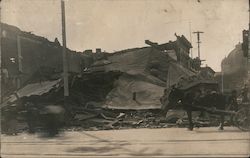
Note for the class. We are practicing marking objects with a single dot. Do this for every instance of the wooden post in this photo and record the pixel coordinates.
(168, 76)
(0, 61)
(198, 41)
(1, 97)
(20, 65)
(248, 57)
(65, 60)
(222, 79)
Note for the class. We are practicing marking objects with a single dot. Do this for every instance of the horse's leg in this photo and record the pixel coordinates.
(166, 108)
(164, 112)
(191, 125)
(221, 126)
(222, 117)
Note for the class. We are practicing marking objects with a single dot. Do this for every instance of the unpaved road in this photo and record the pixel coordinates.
(166, 142)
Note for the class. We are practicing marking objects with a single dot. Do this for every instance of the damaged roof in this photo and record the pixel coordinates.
(32, 90)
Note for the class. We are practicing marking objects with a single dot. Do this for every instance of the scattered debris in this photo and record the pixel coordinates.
(81, 117)
(85, 109)
(121, 115)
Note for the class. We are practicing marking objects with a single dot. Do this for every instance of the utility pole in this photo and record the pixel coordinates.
(222, 78)
(198, 41)
(20, 65)
(1, 97)
(64, 52)
(248, 57)
(190, 34)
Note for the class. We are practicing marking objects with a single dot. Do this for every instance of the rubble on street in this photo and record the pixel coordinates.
(88, 117)
(41, 105)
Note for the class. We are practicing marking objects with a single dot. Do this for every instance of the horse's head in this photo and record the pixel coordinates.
(175, 95)
(171, 97)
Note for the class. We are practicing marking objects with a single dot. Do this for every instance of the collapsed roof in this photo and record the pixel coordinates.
(145, 74)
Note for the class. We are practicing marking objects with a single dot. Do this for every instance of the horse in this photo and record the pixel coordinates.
(193, 101)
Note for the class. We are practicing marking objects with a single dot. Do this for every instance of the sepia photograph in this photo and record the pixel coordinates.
(124, 78)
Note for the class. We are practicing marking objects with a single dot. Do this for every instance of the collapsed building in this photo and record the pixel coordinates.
(131, 79)
(140, 75)
(145, 74)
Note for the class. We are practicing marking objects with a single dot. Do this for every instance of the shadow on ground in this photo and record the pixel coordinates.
(106, 147)
(226, 130)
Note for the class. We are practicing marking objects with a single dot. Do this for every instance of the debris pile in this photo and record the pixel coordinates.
(93, 116)
(105, 119)
(115, 91)
(29, 108)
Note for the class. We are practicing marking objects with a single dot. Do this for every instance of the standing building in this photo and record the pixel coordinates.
(234, 69)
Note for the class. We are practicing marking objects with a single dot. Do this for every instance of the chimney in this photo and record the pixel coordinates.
(98, 50)
(88, 51)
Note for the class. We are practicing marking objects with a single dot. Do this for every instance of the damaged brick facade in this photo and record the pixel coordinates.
(27, 57)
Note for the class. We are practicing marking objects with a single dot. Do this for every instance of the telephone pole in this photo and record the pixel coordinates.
(1, 93)
(64, 52)
(190, 34)
(198, 41)
(248, 57)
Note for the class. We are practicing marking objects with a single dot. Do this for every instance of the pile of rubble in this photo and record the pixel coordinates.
(94, 117)
(105, 119)
(26, 108)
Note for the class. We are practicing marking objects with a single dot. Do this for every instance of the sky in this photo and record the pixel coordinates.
(120, 24)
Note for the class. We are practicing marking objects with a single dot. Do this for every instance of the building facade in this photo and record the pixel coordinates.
(234, 69)
(27, 57)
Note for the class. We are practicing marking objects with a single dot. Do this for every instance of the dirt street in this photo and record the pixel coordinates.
(167, 142)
